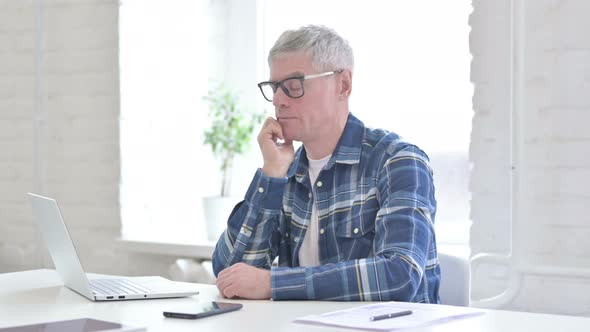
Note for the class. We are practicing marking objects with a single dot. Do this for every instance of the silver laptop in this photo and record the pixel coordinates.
(55, 233)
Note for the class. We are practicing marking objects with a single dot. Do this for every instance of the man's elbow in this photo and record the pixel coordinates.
(404, 281)
(217, 262)
(216, 267)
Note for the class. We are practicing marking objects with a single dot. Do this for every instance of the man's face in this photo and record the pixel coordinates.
(304, 119)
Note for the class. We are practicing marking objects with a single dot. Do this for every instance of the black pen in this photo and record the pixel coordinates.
(391, 315)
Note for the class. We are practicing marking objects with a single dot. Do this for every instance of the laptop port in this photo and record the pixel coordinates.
(109, 297)
(121, 296)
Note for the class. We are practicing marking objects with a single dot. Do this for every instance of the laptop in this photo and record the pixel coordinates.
(67, 263)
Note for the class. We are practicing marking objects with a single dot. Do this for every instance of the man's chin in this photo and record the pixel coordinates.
(291, 137)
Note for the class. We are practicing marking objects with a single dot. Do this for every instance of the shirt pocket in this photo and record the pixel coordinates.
(354, 237)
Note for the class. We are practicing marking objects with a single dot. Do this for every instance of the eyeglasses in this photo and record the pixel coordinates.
(292, 86)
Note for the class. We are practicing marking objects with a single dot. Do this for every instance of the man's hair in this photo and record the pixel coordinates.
(328, 50)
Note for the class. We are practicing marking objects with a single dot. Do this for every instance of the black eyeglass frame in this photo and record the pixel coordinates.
(276, 84)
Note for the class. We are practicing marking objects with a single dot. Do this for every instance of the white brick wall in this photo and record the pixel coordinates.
(18, 237)
(78, 154)
(553, 117)
(490, 133)
(80, 132)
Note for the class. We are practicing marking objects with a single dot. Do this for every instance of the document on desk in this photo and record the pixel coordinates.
(360, 317)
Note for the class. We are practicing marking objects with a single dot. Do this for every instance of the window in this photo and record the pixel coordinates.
(411, 76)
(163, 62)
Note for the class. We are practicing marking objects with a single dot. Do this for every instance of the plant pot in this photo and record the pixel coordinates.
(217, 210)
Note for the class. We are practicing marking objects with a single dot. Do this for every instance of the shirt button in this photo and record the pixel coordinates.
(355, 231)
(309, 195)
(296, 239)
(287, 235)
(260, 190)
(320, 184)
(322, 231)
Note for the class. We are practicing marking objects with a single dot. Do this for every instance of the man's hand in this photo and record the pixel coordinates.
(244, 281)
(277, 156)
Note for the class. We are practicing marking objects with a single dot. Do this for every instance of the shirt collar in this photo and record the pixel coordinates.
(347, 151)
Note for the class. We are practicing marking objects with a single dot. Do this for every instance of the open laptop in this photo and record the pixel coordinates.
(55, 233)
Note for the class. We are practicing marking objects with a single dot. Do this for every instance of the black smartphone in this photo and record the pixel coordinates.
(200, 310)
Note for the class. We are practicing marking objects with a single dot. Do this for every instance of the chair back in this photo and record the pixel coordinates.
(455, 283)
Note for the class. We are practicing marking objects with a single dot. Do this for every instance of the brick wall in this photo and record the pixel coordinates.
(547, 81)
(65, 143)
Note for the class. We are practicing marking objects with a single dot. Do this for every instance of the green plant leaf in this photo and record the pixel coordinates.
(231, 129)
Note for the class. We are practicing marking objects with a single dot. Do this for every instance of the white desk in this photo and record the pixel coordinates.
(37, 296)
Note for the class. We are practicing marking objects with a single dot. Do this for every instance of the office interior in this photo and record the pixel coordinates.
(101, 107)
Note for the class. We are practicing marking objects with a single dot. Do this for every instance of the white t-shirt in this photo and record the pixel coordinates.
(309, 253)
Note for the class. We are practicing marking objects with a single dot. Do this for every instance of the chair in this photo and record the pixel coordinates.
(455, 283)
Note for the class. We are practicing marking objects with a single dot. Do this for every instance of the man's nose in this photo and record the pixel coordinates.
(280, 99)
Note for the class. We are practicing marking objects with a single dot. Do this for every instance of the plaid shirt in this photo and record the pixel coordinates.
(376, 208)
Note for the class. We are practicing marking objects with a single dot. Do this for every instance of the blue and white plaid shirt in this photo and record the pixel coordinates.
(376, 208)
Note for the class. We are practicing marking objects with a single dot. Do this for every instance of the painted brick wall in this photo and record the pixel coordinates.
(17, 63)
(490, 138)
(551, 71)
(68, 147)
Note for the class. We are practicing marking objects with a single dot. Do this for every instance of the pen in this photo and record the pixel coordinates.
(391, 315)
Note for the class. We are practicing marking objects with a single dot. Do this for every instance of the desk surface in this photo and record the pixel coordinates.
(38, 296)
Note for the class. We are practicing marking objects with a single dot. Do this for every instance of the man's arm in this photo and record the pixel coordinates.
(404, 237)
(251, 235)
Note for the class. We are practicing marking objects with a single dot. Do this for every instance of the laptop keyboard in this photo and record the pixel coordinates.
(116, 287)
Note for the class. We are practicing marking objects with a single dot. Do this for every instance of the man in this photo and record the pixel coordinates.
(350, 214)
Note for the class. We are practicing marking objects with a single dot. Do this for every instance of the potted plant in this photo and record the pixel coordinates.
(228, 136)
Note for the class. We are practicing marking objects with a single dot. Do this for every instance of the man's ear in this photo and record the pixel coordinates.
(345, 86)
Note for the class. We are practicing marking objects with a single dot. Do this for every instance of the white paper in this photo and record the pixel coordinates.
(359, 317)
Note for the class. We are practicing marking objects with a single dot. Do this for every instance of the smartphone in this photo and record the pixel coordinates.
(200, 310)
